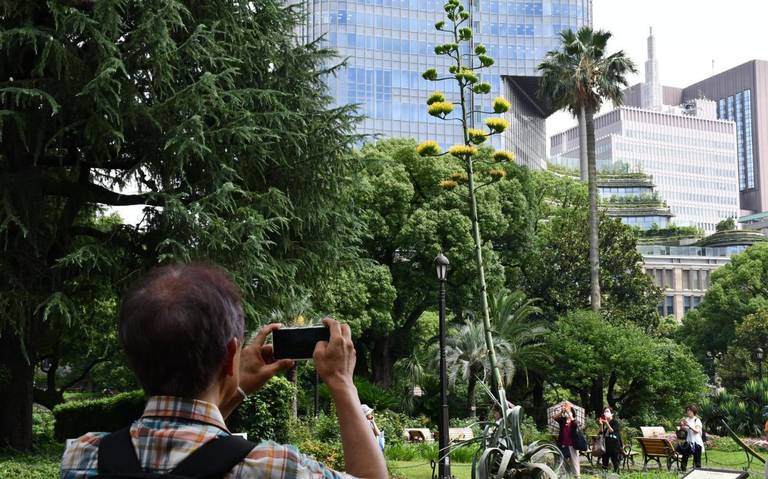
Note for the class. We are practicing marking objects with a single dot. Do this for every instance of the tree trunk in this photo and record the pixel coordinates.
(611, 396)
(539, 408)
(471, 401)
(381, 362)
(16, 374)
(594, 243)
(583, 162)
(596, 397)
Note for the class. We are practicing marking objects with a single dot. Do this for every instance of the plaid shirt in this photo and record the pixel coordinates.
(172, 428)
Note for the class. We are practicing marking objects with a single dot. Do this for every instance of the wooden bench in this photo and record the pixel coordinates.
(460, 433)
(656, 449)
(653, 431)
(418, 435)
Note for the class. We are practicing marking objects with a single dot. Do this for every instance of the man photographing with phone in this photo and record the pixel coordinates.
(182, 329)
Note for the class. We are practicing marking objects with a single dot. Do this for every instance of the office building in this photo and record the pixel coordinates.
(685, 272)
(390, 43)
(631, 197)
(688, 152)
(740, 95)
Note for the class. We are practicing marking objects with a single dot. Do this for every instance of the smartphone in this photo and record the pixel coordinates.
(298, 343)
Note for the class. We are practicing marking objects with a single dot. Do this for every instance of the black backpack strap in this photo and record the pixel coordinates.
(117, 455)
(215, 458)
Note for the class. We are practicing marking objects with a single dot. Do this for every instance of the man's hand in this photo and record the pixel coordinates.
(257, 364)
(335, 358)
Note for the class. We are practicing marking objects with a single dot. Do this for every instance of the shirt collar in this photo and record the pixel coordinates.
(190, 409)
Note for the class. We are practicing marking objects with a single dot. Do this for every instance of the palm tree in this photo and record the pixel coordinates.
(466, 356)
(523, 337)
(578, 78)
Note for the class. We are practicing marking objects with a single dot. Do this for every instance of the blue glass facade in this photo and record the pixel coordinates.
(738, 108)
(389, 43)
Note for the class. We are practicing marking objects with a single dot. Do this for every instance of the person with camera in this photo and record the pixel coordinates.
(694, 440)
(181, 328)
(611, 433)
(566, 438)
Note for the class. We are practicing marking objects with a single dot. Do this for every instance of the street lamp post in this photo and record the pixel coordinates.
(444, 462)
(760, 354)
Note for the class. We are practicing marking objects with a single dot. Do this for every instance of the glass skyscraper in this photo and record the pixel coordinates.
(388, 44)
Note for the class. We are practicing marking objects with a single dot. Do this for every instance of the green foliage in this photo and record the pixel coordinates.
(329, 453)
(672, 231)
(738, 289)
(265, 415)
(375, 396)
(409, 219)
(728, 224)
(75, 418)
(41, 464)
(557, 266)
(739, 364)
(249, 167)
(743, 410)
(645, 377)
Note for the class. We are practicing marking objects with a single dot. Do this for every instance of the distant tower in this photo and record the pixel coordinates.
(652, 96)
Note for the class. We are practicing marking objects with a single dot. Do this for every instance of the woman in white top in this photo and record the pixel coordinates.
(694, 430)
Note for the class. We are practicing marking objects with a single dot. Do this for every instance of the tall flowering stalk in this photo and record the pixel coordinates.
(464, 71)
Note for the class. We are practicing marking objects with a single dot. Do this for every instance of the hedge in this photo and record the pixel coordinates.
(264, 415)
(75, 418)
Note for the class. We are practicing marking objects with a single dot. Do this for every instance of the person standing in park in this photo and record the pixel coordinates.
(182, 329)
(565, 438)
(368, 413)
(694, 438)
(611, 432)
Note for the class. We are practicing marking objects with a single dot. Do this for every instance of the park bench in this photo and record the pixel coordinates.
(653, 431)
(418, 435)
(656, 449)
(460, 434)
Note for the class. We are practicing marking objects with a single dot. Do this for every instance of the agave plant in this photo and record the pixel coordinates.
(502, 454)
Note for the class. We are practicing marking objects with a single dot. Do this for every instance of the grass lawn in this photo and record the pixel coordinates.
(717, 460)
(44, 464)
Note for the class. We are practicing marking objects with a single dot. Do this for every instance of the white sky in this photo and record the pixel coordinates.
(690, 34)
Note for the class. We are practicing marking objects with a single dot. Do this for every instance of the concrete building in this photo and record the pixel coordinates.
(390, 43)
(685, 272)
(688, 152)
(741, 95)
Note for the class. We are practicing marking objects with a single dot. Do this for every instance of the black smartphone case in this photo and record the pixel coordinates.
(298, 343)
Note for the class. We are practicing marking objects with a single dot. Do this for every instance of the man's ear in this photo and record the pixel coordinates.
(229, 358)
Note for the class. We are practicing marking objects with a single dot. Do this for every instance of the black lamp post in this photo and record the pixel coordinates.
(759, 354)
(444, 462)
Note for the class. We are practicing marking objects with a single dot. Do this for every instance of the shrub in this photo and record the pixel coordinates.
(392, 425)
(427, 451)
(75, 418)
(42, 426)
(42, 464)
(328, 453)
(266, 414)
(401, 452)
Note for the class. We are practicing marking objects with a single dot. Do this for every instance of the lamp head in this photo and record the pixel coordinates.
(441, 267)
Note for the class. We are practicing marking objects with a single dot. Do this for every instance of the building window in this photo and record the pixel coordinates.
(686, 304)
(669, 279)
(669, 305)
(686, 282)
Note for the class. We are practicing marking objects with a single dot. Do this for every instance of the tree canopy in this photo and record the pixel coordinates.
(738, 289)
(644, 378)
(209, 113)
